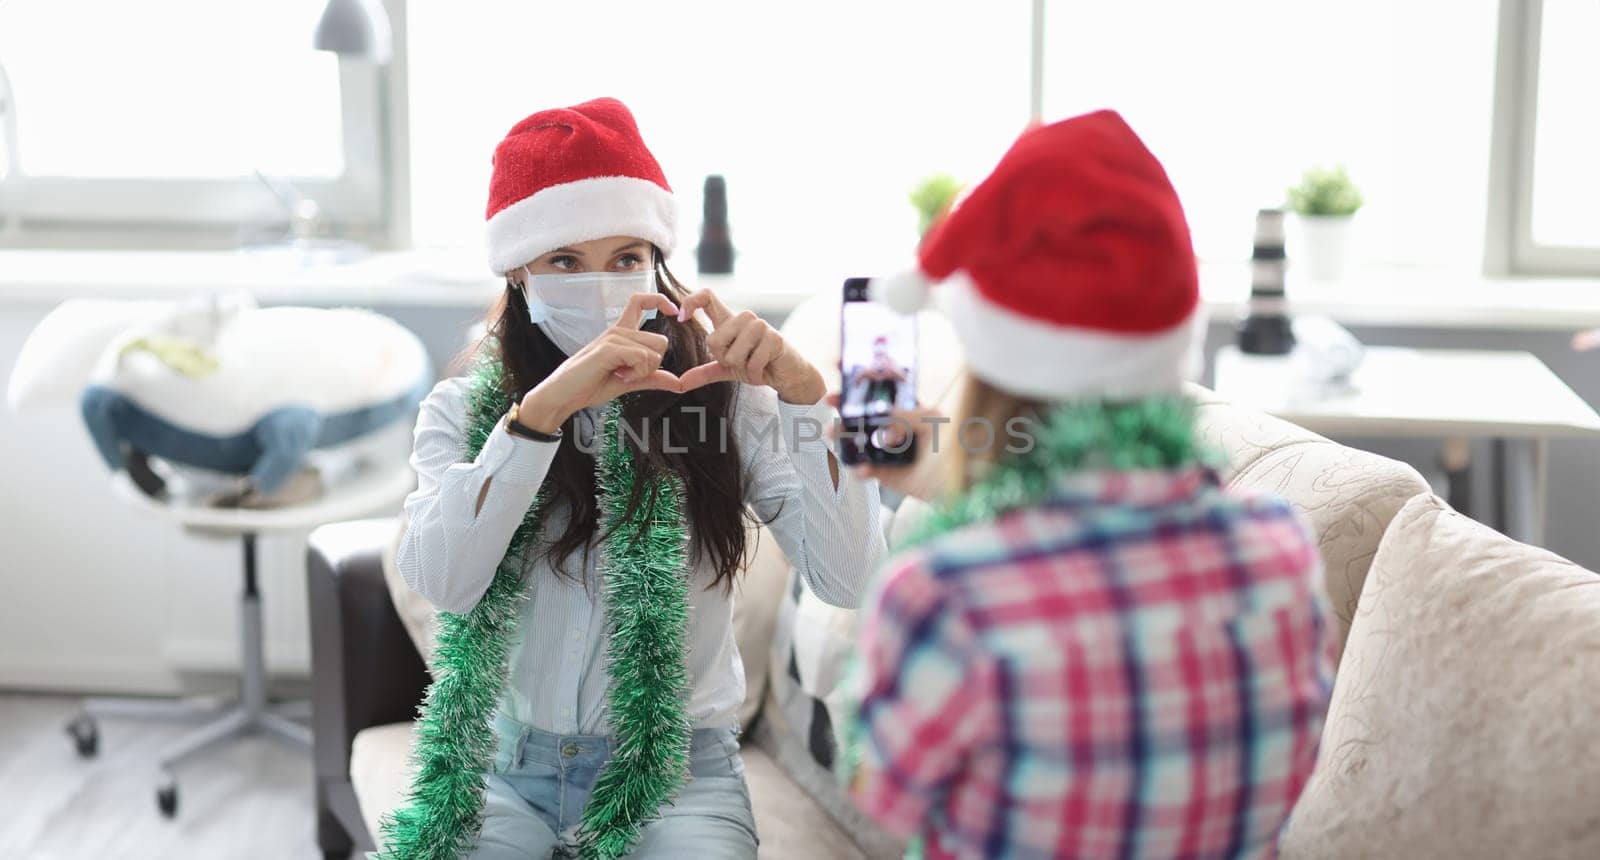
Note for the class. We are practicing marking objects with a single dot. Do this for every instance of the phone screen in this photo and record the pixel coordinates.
(877, 374)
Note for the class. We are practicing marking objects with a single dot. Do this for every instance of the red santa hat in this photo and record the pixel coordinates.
(571, 175)
(1068, 273)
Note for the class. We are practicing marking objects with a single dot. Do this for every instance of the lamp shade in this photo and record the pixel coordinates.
(358, 29)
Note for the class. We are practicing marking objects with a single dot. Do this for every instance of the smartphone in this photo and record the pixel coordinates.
(877, 375)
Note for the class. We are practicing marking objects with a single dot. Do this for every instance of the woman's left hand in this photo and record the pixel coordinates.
(746, 348)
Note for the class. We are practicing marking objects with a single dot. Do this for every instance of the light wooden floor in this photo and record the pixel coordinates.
(250, 799)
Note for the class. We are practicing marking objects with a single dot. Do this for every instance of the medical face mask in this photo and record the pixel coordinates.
(573, 309)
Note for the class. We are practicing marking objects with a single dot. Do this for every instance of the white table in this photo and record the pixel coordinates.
(1510, 397)
(377, 489)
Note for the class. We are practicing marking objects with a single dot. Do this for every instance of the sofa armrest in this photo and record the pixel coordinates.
(366, 671)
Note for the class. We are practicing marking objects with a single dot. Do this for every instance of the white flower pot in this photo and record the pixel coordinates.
(1324, 247)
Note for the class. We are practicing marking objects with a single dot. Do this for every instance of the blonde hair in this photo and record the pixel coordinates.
(981, 400)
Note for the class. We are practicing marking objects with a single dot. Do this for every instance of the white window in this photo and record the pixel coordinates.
(1238, 97)
(162, 112)
(1546, 176)
(821, 115)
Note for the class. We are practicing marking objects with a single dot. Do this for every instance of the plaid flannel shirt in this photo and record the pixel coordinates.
(1136, 668)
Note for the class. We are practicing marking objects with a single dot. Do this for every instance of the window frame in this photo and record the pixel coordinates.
(364, 202)
(1509, 245)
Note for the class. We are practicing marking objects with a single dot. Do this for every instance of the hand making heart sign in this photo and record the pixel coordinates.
(746, 348)
(743, 348)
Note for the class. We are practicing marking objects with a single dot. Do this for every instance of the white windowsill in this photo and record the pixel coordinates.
(420, 278)
(1391, 296)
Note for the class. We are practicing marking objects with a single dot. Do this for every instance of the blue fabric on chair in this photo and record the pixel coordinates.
(269, 451)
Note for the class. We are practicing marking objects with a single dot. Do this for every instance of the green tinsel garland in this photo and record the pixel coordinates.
(1152, 433)
(643, 570)
(647, 613)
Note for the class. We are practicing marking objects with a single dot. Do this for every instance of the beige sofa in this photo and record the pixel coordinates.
(1470, 668)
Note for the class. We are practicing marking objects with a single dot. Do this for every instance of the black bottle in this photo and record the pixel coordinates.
(715, 252)
(1266, 328)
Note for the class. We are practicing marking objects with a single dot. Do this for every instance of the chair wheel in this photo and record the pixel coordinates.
(85, 735)
(167, 800)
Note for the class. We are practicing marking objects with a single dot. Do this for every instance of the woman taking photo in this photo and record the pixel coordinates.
(1090, 648)
(581, 514)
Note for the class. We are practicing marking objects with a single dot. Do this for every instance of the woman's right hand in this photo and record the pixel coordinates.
(620, 360)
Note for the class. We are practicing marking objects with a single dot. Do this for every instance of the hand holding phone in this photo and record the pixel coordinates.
(924, 479)
(877, 373)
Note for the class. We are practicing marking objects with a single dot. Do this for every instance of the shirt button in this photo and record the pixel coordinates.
(569, 750)
(577, 635)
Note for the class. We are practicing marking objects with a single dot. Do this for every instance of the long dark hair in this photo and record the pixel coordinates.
(702, 447)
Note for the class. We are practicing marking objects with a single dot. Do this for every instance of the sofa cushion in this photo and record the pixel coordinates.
(787, 745)
(789, 822)
(381, 770)
(1348, 495)
(1458, 726)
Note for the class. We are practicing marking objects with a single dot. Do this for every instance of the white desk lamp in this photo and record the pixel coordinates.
(357, 29)
(354, 30)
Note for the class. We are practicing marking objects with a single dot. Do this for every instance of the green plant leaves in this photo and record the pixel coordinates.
(1325, 191)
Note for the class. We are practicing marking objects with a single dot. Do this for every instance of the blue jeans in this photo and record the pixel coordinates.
(540, 781)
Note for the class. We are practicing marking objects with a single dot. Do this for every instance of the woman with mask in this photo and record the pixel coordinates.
(581, 513)
(1090, 648)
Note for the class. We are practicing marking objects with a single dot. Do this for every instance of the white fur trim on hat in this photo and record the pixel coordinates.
(1054, 362)
(581, 211)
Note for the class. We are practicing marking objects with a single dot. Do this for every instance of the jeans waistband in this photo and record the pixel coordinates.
(535, 744)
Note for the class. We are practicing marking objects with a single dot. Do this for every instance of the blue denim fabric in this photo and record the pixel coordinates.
(270, 451)
(540, 781)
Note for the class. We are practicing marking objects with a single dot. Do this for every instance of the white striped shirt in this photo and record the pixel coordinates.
(558, 681)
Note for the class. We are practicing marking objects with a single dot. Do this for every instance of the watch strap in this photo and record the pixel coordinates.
(517, 428)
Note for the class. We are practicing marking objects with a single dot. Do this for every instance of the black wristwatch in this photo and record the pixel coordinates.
(517, 428)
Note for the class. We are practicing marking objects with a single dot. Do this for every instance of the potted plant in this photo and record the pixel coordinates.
(1325, 202)
(932, 198)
